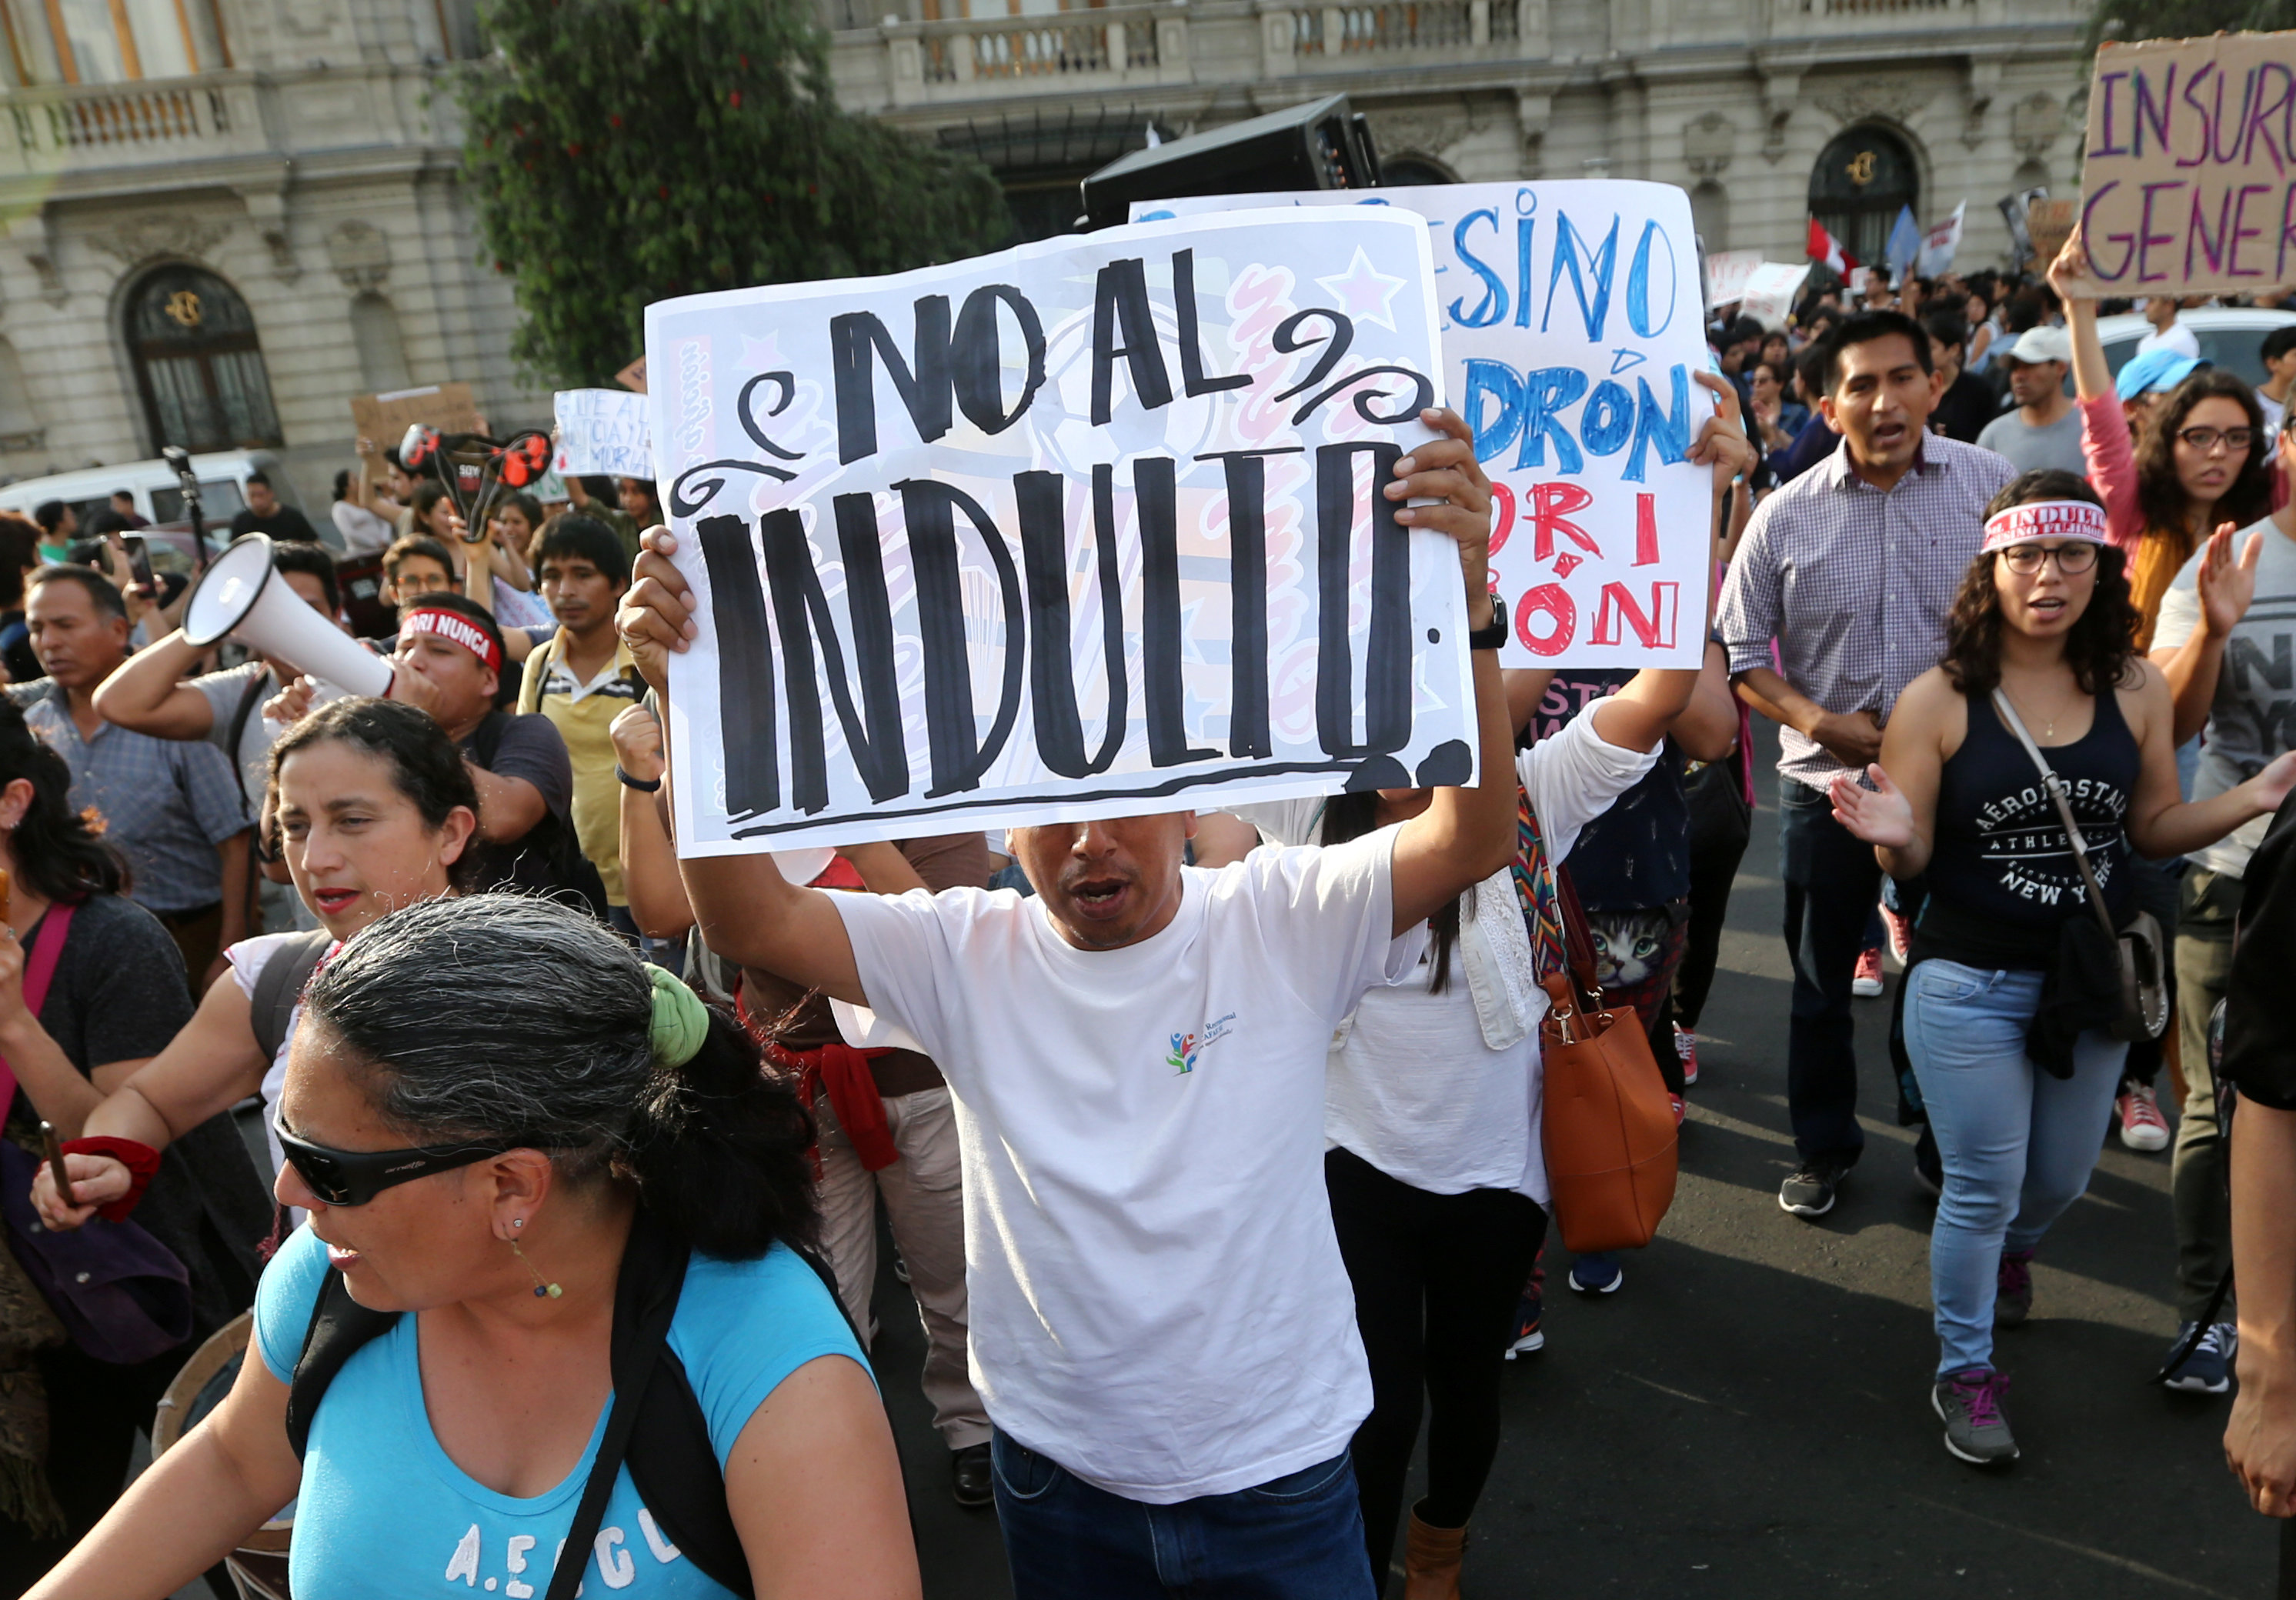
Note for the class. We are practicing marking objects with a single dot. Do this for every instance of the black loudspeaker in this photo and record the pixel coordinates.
(1321, 145)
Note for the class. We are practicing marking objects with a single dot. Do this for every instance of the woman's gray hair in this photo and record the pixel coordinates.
(499, 1017)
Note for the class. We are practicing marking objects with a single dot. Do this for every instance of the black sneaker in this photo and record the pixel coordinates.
(970, 1473)
(1969, 1403)
(1809, 1191)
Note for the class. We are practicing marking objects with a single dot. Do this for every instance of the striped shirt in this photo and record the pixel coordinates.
(1854, 582)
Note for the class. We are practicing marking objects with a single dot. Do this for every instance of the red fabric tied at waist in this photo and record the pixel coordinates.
(844, 1072)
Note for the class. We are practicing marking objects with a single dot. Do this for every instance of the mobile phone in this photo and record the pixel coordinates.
(54, 1150)
(139, 562)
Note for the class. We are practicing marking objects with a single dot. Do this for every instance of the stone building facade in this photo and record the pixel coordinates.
(290, 165)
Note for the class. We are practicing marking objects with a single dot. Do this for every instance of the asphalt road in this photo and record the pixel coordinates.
(1750, 1415)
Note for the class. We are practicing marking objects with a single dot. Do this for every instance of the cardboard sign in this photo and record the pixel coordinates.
(448, 407)
(1770, 292)
(2048, 224)
(1726, 273)
(602, 431)
(1572, 328)
(1091, 527)
(2186, 186)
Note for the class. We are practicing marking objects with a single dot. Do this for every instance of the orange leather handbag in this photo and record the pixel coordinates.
(1608, 1130)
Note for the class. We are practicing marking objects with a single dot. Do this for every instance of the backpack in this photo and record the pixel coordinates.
(549, 860)
(660, 1435)
(279, 988)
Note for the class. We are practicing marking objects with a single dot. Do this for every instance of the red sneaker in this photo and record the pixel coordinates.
(1901, 932)
(1867, 981)
(1685, 1050)
(2142, 1125)
(1675, 1101)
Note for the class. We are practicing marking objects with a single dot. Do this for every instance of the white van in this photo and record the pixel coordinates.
(159, 498)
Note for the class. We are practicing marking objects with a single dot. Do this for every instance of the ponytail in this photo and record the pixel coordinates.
(718, 1147)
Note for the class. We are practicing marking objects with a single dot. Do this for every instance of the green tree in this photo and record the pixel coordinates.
(2132, 19)
(622, 151)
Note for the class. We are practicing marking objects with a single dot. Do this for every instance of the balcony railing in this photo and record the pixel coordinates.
(94, 126)
(1403, 25)
(1110, 47)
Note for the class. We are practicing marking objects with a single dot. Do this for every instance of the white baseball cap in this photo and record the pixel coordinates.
(2036, 345)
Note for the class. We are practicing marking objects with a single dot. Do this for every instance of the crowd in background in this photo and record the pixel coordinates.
(1964, 561)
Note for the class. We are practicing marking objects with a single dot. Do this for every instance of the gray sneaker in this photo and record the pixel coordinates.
(2012, 1292)
(1969, 1403)
(1810, 1189)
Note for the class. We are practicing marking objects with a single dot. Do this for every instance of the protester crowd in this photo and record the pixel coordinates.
(609, 1124)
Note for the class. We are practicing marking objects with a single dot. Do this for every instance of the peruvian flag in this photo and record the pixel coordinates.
(1825, 248)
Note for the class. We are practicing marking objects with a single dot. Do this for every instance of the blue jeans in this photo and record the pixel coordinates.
(1299, 1537)
(2018, 1144)
(1831, 883)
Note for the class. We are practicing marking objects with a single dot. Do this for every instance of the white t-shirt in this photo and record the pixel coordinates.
(2176, 337)
(2253, 716)
(248, 959)
(1415, 1088)
(1157, 1298)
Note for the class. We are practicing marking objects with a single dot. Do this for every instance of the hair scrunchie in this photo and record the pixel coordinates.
(681, 1020)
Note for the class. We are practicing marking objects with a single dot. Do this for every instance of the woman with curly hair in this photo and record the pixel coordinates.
(2039, 635)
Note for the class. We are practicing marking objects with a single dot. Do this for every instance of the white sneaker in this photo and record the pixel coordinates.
(2142, 1126)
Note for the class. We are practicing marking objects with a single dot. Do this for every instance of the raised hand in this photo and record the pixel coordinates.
(2228, 586)
(1722, 443)
(657, 612)
(1446, 470)
(1880, 816)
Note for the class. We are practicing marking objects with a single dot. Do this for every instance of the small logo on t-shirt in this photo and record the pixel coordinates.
(1187, 1047)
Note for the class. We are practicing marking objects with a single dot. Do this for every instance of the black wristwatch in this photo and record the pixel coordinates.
(1495, 637)
(644, 785)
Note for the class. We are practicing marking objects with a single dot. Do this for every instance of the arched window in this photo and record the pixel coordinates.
(198, 362)
(1864, 178)
(1412, 172)
(382, 352)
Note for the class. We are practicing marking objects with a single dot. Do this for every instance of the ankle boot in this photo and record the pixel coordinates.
(1430, 1561)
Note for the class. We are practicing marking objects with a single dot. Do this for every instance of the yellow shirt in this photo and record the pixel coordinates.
(584, 715)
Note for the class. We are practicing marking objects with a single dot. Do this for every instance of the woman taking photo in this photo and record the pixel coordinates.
(108, 994)
(2044, 618)
(375, 810)
(622, 1184)
(505, 581)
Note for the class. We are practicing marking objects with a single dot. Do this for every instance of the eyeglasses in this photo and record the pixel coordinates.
(2206, 439)
(2026, 559)
(354, 1177)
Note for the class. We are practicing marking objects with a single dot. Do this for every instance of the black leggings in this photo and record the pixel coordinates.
(1719, 827)
(1436, 1279)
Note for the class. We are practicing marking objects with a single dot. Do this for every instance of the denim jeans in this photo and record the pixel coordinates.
(2018, 1144)
(1832, 883)
(1299, 1537)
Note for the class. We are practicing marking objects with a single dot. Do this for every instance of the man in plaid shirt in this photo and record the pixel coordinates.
(1850, 569)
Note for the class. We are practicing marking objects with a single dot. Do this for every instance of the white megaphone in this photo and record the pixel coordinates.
(241, 593)
(801, 867)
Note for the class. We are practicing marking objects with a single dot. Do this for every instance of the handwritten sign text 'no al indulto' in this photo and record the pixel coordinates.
(1087, 528)
(2188, 176)
(1571, 325)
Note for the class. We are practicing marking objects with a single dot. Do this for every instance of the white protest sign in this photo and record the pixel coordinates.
(1571, 325)
(602, 431)
(1091, 527)
(1770, 291)
(1727, 271)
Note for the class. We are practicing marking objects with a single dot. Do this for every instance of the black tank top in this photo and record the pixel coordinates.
(2002, 874)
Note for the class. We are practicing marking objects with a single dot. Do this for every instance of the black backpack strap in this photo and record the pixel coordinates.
(251, 698)
(279, 987)
(340, 1328)
(645, 1300)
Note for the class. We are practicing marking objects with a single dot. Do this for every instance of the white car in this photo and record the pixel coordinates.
(222, 477)
(2229, 335)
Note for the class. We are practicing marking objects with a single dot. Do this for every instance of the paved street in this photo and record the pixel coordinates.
(1750, 1415)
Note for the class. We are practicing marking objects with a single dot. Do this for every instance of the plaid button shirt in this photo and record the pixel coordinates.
(166, 804)
(1854, 582)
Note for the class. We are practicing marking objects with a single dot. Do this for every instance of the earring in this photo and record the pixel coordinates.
(541, 1285)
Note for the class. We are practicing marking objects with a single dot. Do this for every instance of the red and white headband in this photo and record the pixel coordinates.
(2045, 519)
(454, 628)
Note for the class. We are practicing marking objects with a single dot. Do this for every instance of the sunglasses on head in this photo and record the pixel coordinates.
(354, 1177)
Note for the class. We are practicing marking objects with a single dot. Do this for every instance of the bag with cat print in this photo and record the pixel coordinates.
(1608, 1128)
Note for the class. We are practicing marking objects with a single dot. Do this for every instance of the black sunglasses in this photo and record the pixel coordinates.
(354, 1177)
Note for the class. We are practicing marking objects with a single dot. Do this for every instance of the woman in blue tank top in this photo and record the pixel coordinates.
(539, 1159)
(2045, 616)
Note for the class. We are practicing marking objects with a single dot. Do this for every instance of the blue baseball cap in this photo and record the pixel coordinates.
(2154, 370)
